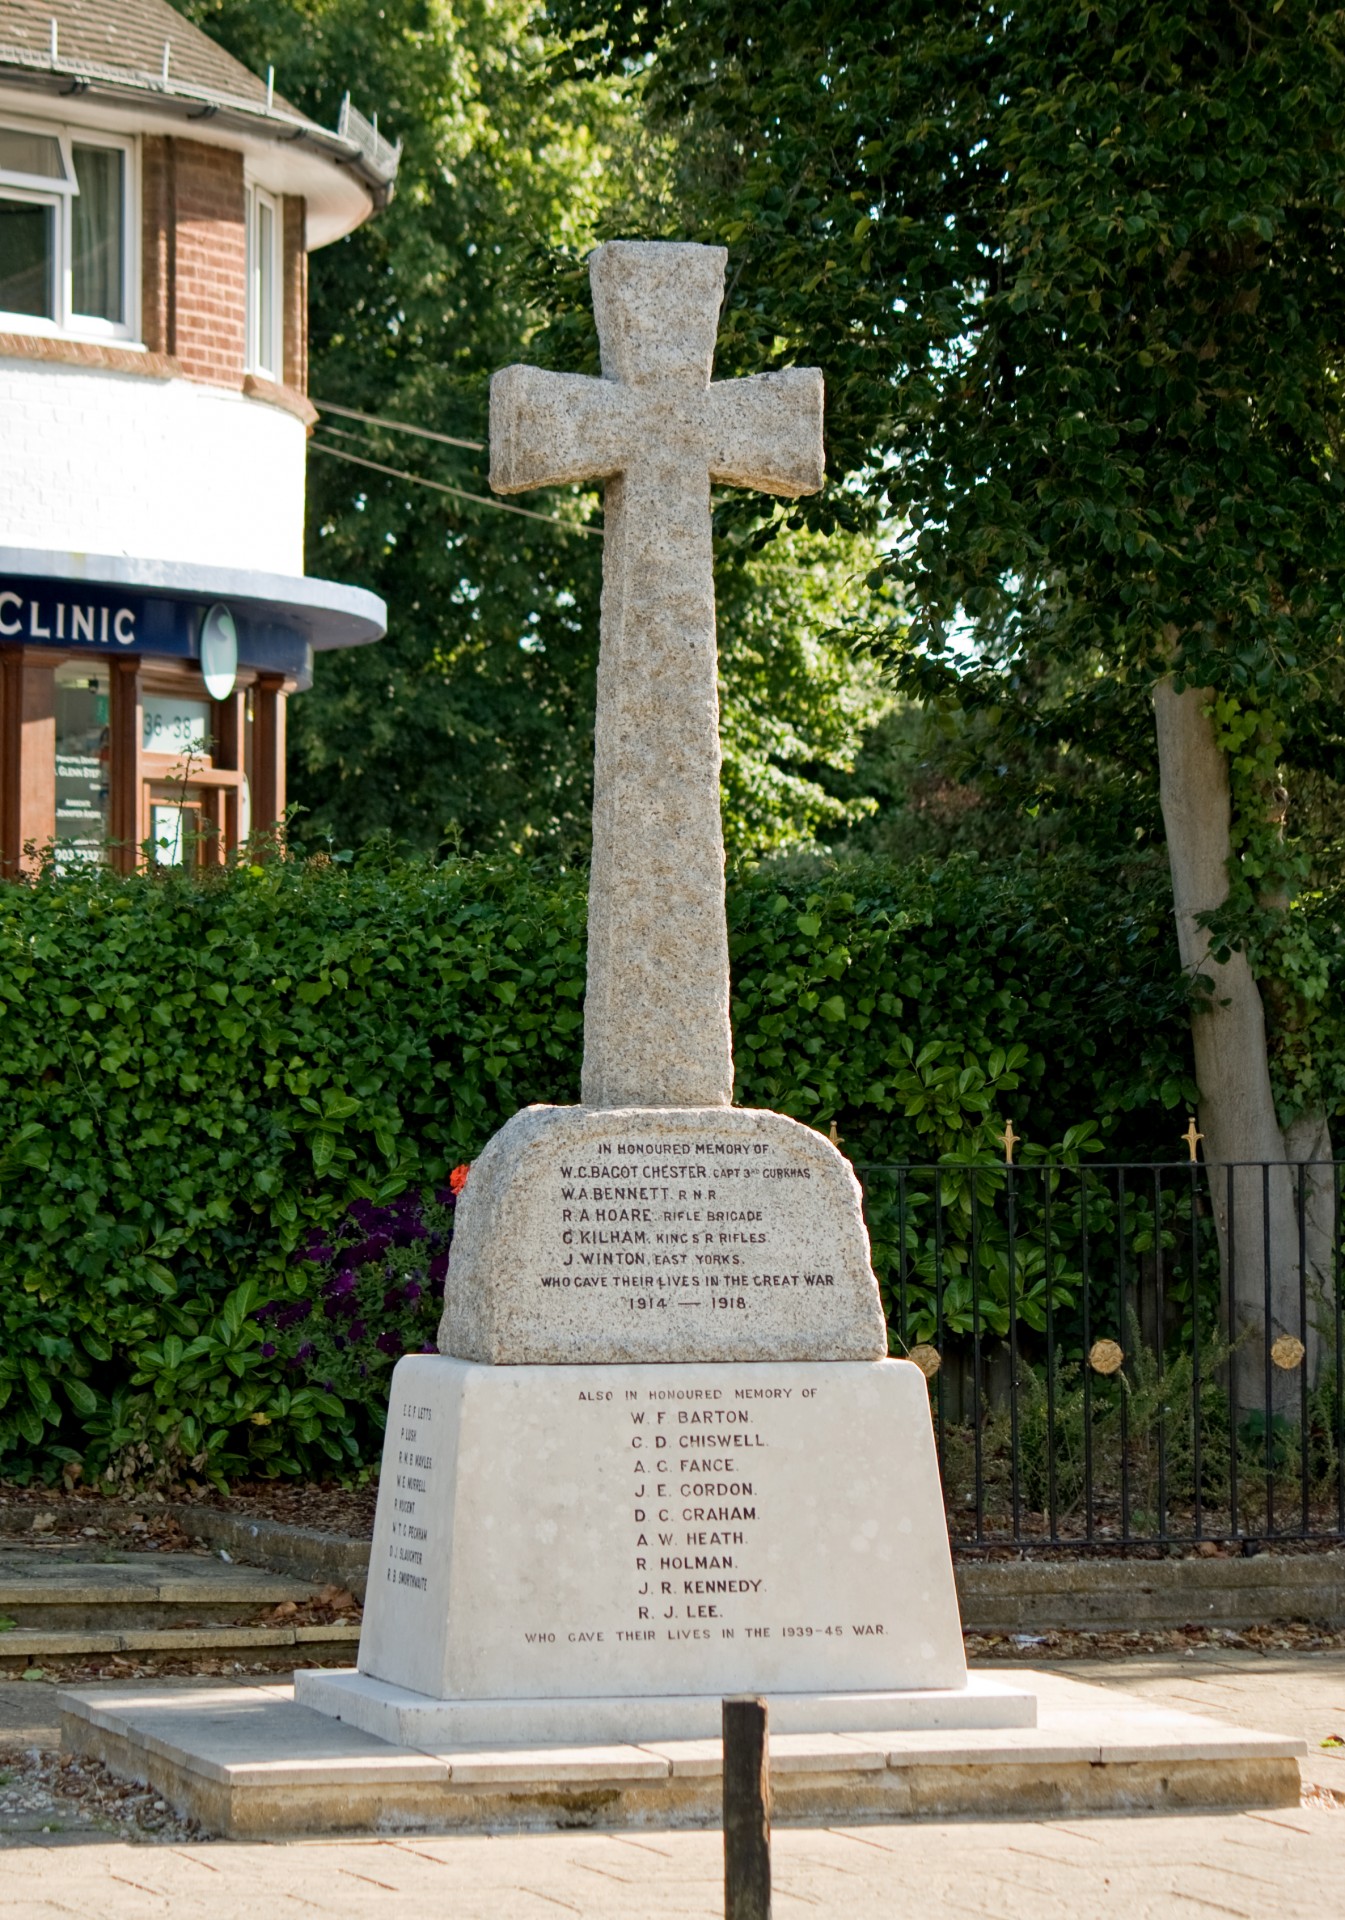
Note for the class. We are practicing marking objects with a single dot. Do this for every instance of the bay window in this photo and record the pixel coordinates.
(265, 266)
(66, 232)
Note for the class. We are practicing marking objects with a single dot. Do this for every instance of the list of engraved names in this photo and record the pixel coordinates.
(706, 1226)
(707, 1487)
(409, 1536)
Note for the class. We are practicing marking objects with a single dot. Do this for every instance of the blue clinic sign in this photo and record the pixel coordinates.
(42, 619)
(118, 620)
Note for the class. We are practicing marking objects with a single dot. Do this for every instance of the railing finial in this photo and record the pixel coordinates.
(1010, 1139)
(1192, 1138)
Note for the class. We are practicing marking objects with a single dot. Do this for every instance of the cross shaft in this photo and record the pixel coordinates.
(658, 432)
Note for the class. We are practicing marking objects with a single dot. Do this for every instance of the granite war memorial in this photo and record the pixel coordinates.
(662, 1453)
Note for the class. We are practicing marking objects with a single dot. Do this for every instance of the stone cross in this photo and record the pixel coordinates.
(654, 427)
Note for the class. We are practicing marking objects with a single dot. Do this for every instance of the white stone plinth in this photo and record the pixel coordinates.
(650, 1532)
(660, 1234)
(409, 1719)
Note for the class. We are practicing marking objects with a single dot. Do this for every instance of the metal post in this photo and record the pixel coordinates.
(1233, 1527)
(1123, 1334)
(940, 1377)
(1052, 1478)
(747, 1809)
(1303, 1463)
(1160, 1353)
(1086, 1282)
(1015, 1462)
(1197, 1398)
(977, 1378)
(1268, 1364)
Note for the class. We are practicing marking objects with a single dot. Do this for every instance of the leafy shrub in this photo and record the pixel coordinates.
(372, 1291)
(200, 1075)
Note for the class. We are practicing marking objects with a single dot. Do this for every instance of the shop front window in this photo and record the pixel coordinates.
(167, 830)
(170, 724)
(82, 763)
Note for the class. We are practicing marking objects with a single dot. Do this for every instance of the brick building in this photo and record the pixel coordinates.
(158, 203)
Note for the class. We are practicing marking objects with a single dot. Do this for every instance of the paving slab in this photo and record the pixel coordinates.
(1156, 1867)
(1302, 1694)
(1284, 1861)
(252, 1762)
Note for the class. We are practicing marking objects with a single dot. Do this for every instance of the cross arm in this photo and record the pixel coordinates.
(552, 429)
(766, 432)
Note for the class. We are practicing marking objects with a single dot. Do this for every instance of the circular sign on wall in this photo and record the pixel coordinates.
(219, 652)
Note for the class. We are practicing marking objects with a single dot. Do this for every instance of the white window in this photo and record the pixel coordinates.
(266, 347)
(67, 232)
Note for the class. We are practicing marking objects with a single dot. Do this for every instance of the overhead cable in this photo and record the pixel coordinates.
(399, 426)
(458, 493)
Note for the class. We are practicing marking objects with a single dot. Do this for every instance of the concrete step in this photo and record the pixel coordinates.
(68, 1602)
(67, 1587)
(27, 1647)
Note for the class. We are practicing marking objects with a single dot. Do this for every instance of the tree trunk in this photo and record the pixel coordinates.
(1271, 1187)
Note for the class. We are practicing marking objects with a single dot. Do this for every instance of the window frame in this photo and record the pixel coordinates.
(265, 358)
(60, 195)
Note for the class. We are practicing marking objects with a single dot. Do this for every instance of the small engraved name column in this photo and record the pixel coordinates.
(409, 1536)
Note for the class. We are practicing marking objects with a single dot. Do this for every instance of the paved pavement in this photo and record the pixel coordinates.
(1290, 1863)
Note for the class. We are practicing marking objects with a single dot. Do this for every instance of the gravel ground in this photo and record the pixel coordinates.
(59, 1797)
(62, 1515)
(1287, 1636)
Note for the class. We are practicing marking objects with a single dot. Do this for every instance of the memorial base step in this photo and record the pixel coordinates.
(248, 1762)
(413, 1719)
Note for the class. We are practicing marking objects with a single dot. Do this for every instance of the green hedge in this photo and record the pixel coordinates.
(199, 1076)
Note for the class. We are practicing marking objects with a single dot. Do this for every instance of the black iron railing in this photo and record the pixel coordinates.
(1123, 1355)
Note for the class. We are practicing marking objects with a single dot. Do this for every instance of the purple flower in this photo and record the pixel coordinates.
(317, 1250)
(367, 1216)
(411, 1292)
(369, 1249)
(389, 1343)
(357, 1331)
(429, 1347)
(306, 1351)
(439, 1267)
(339, 1284)
(268, 1349)
(295, 1315)
(391, 1299)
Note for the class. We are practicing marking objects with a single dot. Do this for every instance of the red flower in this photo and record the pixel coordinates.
(457, 1180)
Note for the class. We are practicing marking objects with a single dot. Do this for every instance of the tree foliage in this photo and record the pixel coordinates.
(1075, 276)
(471, 724)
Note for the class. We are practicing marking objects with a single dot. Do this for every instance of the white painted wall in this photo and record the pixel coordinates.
(115, 463)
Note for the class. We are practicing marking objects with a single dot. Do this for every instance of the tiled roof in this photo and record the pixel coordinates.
(130, 35)
(115, 48)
